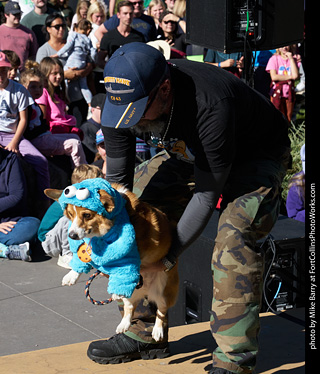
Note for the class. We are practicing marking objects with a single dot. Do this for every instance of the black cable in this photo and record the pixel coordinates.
(266, 278)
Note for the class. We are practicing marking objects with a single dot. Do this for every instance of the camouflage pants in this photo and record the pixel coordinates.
(250, 207)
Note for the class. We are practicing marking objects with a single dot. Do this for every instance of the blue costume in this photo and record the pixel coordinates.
(115, 253)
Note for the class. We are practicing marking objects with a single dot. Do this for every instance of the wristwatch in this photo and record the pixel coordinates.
(168, 264)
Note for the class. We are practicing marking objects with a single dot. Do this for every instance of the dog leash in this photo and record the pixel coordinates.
(103, 302)
(86, 291)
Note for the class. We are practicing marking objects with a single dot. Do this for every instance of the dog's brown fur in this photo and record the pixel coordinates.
(153, 236)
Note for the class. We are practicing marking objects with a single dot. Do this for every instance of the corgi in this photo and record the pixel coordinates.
(153, 233)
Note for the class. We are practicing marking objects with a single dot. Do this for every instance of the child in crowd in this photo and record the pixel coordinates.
(91, 126)
(80, 51)
(81, 12)
(53, 230)
(284, 70)
(17, 229)
(15, 62)
(296, 193)
(38, 130)
(53, 100)
(14, 103)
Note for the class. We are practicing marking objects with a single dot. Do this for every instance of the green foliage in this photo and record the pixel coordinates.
(297, 138)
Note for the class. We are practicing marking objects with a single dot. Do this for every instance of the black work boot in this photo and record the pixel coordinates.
(120, 348)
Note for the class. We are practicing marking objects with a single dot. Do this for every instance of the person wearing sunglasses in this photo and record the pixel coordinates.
(140, 22)
(218, 137)
(168, 22)
(16, 37)
(55, 29)
(35, 19)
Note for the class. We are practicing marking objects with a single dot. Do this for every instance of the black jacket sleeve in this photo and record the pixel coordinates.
(121, 152)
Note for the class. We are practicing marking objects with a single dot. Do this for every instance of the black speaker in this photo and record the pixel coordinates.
(284, 281)
(284, 278)
(225, 25)
(195, 291)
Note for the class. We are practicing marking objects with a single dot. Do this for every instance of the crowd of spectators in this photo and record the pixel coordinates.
(52, 92)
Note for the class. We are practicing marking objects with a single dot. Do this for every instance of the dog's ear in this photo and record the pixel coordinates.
(106, 200)
(53, 194)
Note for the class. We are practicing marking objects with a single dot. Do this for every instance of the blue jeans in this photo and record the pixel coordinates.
(25, 230)
(34, 158)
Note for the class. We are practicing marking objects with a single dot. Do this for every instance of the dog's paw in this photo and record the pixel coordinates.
(116, 297)
(157, 333)
(70, 278)
(123, 325)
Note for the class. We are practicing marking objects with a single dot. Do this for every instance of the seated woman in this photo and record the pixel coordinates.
(177, 40)
(17, 229)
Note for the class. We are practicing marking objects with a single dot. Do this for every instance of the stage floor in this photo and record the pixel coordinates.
(281, 340)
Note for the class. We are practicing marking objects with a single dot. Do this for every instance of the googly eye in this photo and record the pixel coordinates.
(70, 191)
(82, 193)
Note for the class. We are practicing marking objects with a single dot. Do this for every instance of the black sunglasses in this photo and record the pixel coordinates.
(57, 27)
(166, 22)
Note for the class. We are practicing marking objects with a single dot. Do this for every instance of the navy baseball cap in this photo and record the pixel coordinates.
(131, 73)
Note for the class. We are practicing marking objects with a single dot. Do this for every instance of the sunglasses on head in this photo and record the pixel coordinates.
(136, 2)
(57, 27)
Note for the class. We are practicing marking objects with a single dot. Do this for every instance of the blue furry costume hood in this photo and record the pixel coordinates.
(115, 253)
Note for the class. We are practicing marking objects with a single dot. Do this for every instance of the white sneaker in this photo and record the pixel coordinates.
(64, 260)
(19, 252)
